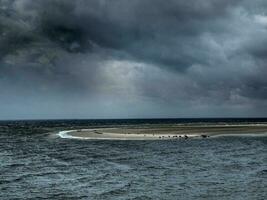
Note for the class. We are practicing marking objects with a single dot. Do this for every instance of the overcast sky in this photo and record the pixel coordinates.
(133, 58)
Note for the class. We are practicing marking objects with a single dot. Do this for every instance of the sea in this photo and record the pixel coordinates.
(35, 163)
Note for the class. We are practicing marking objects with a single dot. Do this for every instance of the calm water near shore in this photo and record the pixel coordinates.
(36, 164)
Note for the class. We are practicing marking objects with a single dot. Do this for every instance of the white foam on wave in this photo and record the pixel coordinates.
(65, 135)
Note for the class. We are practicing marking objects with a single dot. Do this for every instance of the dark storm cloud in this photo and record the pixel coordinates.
(123, 25)
(173, 53)
(147, 30)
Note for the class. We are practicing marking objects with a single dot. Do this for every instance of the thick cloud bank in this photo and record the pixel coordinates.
(138, 58)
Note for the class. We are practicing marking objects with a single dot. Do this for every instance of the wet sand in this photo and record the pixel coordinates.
(165, 132)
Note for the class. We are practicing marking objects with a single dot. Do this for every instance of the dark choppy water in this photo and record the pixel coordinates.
(37, 165)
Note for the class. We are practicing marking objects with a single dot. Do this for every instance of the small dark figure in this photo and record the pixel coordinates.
(204, 136)
(186, 137)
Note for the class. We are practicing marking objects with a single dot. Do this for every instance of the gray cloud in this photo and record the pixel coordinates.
(180, 57)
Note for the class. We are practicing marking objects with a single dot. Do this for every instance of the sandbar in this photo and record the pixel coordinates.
(166, 132)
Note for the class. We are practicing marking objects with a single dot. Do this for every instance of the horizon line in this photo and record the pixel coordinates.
(152, 118)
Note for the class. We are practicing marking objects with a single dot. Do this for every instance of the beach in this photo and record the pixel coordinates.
(166, 132)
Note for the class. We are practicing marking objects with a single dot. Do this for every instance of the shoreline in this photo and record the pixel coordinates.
(164, 132)
(88, 134)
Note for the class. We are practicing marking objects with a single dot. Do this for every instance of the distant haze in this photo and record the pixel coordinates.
(133, 58)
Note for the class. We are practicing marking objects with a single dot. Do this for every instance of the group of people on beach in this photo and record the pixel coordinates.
(180, 136)
(174, 136)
